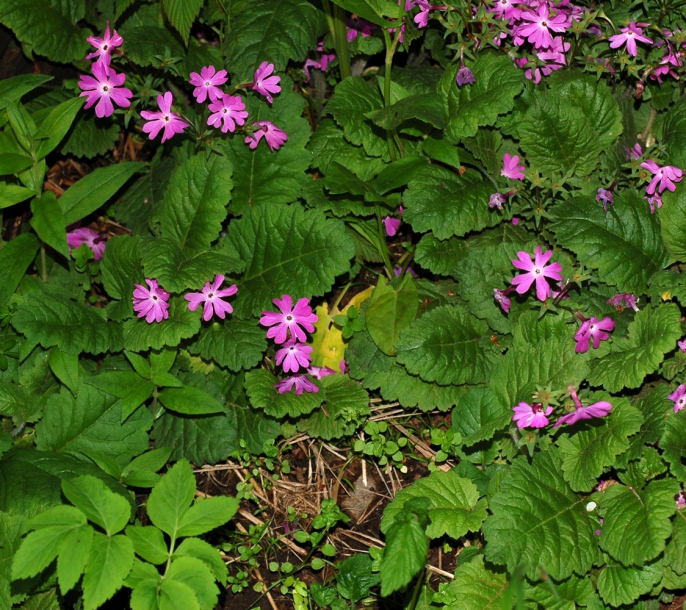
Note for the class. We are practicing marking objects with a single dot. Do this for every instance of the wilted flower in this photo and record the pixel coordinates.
(319, 372)
(151, 303)
(629, 301)
(356, 25)
(678, 397)
(503, 300)
(274, 136)
(635, 152)
(301, 383)
(536, 271)
(593, 329)
(496, 201)
(655, 202)
(680, 500)
(105, 88)
(207, 84)
(597, 409)
(227, 111)
(165, 119)
(92, 239)
(682, 345)
(528, 416)
(605, 197)
(464, 76)
(212, 297)
(289, 320)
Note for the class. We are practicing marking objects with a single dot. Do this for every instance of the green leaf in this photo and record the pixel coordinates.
(51, 321)
(150, 461)
(538, 521)
(13, 400)
(91, 137)
(467, 108)
(148, 542)
(366, 9)
(397, 174)
(45, 29)
(674, 134)
(475, 587)
(171, 497)
(673, 444)
(190, 401)
(258, 35)
(235, 344)
(197, 576)
(618, 585)
(120, 270)
(102, 506)
(194, 205)
(150, 45)
(73, 557)
(194, 547)
(624, 244)
(637, 522)
(15, 257)
(181, 324)
(653, 332)
(65, 367)
(448, 204)
(182, 14)
(441, 150)
(675, 552)
(206, 515)
(587, 453)
(91, 421)
(57, 124)
(673, 222)
(444, 346)
(48, 222)
(95, 189)
(478, 415)
(109, 562)
(570, 124)
(303, 255)
(355, 577)
(14, 88)
(255, 428)
(391, 310)
(259, 385)
(11, 194)
(455, 507)
(425, 106)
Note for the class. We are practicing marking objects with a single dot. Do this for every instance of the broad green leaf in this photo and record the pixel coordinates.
(624, 244)
(48, 222)
(441, 256)
(65, 367)
(675, 552)
(194, 205)
(13, 193)
(181, 324)
(171, 497)
(258, 35)
(13, 400)
(444, 346)
(455, 506)
(73, 557)
(653, 332)
(365, 9)
(469, 107)
(194, 547)
(197, 576)
(355, 577)
(391, 310)
(15, 257)
(475, 588)
(91, 421)
(11, 163)
(91, 136)
(304, 254)
(150, 45)
(341, 180)
(637, 522)
(441, 150)
(95, 189)
(539, 522)
(398, 174)
(254, 427)
(182, 14)
(14, 88)
(566, 595)
(109, 562)
(618, 585)
(259, 385)
(189, 401)
(425, 106)
(569, 124)
(57, 124)
(120, 270)
(151, 461)
(141, 572)
(101, 505)
(484, 146)
(673, 222)
(674, 134)
(448, 204)
(673, 444)
(148, 542)
(129, 386)
(235, 344)
(206, 515)
(478, 415)
(587, 453)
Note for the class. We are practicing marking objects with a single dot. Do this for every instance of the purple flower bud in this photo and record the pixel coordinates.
(465, 76)
(604, 196)
(503, 300)
(496, 201)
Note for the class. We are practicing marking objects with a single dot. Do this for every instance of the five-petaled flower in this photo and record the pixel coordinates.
(666, 177)
(207, 83)
(300, 382)
(151, 303)
(294, 355)
(92, 239)
(536, 271)
(537, 31)
(678, 397)
(290, 320)
(105, 88)
(227, 111)
(212, 297)
(598, 330)
(528, 416)
(165, 119)
(511, 168)
(264, 83)
(629, 36)
(597, 409)
(274, 136)
(103, 46)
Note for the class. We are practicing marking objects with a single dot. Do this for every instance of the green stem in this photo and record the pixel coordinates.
(340, 296)
(417, 590)
(43, 264)
(335, 18)
(2, 220)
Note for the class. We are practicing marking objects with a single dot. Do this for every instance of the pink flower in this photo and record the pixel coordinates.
(680, 500)
(666, 176)
(301, 383)
(496, 201)
(682, 345)
(593, 329)
(289, 320)
(536, 271)
(294, 355)
(537, 31)
(392, 225)
(629, 300)
(274, 136)
(629, 36)
(105, 88)
(506, 9)
(511, 168)
(227, 111)
(597, 409)
(212, 297)
(635, 152)
(605, 197)
(321, 64)
(655, 202)
(165, 118)
(103, 46)
(87, 236)
(528, 416)
(207, 83)
(679, 398)
(319, 372)
(151, 303)
(357, 25)
(265, 84)
(501, 297)
(464, 76)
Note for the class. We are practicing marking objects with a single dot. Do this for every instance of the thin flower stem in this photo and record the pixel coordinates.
(43, 264)
(340, 296)
(341, 43)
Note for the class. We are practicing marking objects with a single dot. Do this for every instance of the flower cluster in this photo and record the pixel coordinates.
(536, 416)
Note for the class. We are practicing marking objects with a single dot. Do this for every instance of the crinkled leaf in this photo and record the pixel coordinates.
(181, 324)
(146, 43)
(182, 14)
(235, 344)
(675, 552)
(618, 585)
(109, 562)
(566, 595)
(121, 269)
(478, 415)
(48, 222)
(255, 428)
(673, 221)
(91, 136)
(673, 444)
(674, 134)
(475, 588)
(15, 258)
(392, 308)
(259, 385)
(355, 577)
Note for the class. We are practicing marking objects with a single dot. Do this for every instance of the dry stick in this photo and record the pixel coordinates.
(420, 446)
(294, 547)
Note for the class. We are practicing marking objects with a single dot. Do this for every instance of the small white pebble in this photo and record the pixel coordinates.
(590, 507)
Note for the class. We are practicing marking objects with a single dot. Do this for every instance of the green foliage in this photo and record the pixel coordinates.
(259, 385)
(474, 587)
(15, 259)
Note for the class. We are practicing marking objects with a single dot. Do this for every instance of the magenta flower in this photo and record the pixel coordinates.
(165, 119)
(528, 416)
(294, 355)
(207, 83)
(319, 372)
(536, 271)
(593, 329)
(496, 201)
(151, 303)
(464, 76)
(511, 168)
(392, 225)
(605, 197)
(678, 397)
(289, 320)
(301, 383)
(597, 409)
(682, 345)
(321, 64)
(227, 111)
(629, 36)
(666, 176)
(537, 31)
(274, 136)
(629, 301)
(212, 297)
(506, 9)
(87, 236)
(357, 25)
(103, 46)
(680, 500)
(635, 152)
(265, 84)
(502, 298)
(655, 202)
(105, 88)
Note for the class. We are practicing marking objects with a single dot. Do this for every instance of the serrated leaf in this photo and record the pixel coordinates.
(566, 595)
(570, 124)
(673, 222)
(48, 222)
(675, 552)
(171, 498)
(150, 45)
(101, 505)
(194, 547)
(109, 562)
(148, 542)
(448, 204)
(190, 401)
(182, 14)
(497, 83)
(478, 415)
(15, 258)
(206, 515)
(674, 134)
(303, 255)
(587, 453)
(235, 344)
(444, 346)
(624, 244)
(475, 587)
(120, 270)
(181, 324)
(673, 444)
(653, 332)
(91, 136)
(355, 577)
(197, 576)
(618, 585)
(424, 106)
(73, 557)
(539, 522)
(391, 310)
(259, 385)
